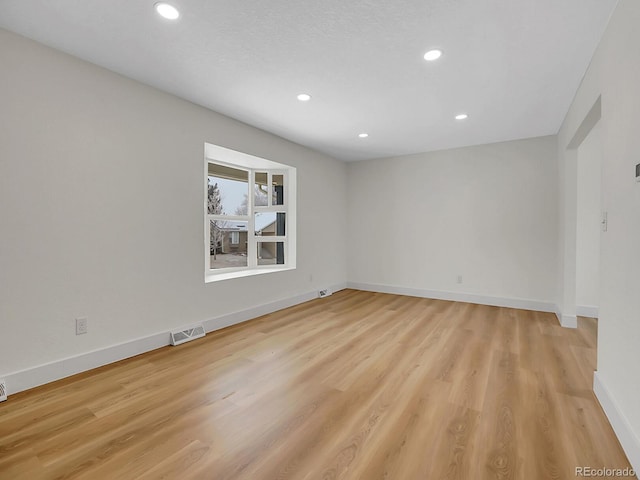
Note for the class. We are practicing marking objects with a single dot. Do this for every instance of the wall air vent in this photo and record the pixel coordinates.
(181, 336)
(325, 292)
(3, 390)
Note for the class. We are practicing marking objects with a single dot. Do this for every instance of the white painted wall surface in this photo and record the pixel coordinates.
(101, 204)
(614, 74)
(589, 210)
(487, 213)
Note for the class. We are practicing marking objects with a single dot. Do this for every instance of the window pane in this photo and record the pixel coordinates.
(228, 244)
(228, 190)
(270, 253)
(278, 190)
(260, 194)
(269, 224)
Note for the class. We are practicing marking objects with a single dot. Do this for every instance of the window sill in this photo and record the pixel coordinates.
(217, 277)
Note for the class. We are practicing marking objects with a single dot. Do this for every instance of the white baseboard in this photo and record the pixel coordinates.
(559, 315)
(590, 311)
(521, 303)
(566, 321)
(244, 315)
(569, 321)
(628, 438)
(50, 372)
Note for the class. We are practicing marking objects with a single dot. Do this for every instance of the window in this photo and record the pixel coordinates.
(247, 198)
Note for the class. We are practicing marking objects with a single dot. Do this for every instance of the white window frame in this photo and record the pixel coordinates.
(242, 161)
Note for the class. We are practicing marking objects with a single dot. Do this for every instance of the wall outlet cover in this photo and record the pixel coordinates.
(325, 292)
(81, 326)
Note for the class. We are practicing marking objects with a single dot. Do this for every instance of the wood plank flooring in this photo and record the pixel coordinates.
(355, 386)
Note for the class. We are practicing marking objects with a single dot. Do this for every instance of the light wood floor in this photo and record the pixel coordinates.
(355, 386)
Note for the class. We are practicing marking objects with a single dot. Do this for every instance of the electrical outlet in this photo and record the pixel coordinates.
(3, 390)
(325, 292)
(81, 326)
(459, 279)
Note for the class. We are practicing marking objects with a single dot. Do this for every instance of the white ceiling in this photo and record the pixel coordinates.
(512, 65)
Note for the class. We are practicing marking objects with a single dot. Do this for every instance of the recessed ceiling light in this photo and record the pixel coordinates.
(304, 97)
(363, 135)
(167, 11)
(462, 116)
(432, 55)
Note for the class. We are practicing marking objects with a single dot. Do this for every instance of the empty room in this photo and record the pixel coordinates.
(319, 240)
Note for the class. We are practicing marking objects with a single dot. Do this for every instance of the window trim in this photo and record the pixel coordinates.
(238, 160)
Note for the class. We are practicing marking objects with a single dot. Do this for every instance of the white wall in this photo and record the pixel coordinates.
(101, 213)
(613, 74)
(101, 204)
(589, 208)
(487, 213)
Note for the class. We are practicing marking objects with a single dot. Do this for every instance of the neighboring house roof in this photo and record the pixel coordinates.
(263, 220)
(234, 227)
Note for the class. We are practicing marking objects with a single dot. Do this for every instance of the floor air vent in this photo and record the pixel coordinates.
(3, 390)
(186, 335)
